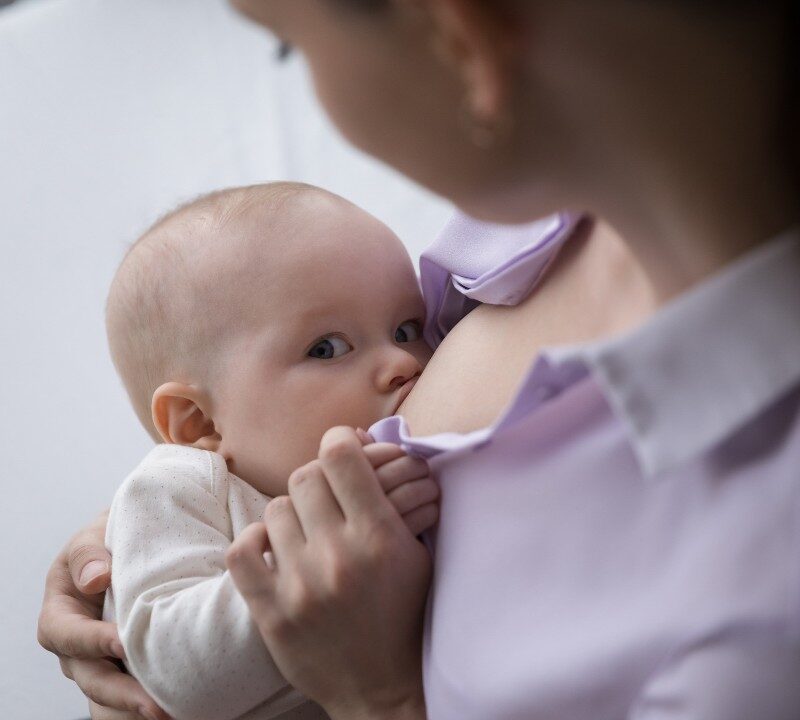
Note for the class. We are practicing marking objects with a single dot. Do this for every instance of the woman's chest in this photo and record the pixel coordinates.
(475, 372)
(563, 579)
(472, 375)
(595, 289)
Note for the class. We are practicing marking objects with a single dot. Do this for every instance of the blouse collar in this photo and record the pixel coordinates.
(708, 362)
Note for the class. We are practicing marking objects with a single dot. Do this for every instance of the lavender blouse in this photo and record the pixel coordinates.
(624, 541)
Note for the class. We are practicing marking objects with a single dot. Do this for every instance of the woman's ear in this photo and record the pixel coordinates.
(181, 416)
(478, 39)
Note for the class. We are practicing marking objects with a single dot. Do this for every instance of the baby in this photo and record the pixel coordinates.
(244, 325)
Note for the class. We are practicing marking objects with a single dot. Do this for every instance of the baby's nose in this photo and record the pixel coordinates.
(398, 368)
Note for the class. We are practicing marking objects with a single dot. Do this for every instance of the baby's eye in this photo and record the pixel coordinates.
(329, 347)
(409, 331)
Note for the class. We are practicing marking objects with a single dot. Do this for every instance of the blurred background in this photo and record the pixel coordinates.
(112, 112)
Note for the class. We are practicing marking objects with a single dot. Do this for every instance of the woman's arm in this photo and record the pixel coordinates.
(70, 627)
(341, 610)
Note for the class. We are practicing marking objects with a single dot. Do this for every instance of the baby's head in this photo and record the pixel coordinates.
(250, 321)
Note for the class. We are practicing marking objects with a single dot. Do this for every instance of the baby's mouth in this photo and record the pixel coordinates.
(404, 390)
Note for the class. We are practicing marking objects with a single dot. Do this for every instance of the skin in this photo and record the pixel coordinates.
(342, 285)
(461, 390)
(579, 140)
(680, 152)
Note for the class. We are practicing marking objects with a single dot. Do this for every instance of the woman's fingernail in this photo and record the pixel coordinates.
(145, 713)
(364, 436)
(93, 570)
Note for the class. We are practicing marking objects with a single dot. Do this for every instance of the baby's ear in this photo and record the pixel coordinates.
(181, 416)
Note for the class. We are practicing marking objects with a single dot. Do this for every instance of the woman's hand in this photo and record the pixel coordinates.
(341, 608)
(406, 481)
(70, 627)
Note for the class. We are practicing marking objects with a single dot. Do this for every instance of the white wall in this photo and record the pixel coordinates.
(111, 112)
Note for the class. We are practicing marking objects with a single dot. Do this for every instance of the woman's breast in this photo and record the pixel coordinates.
(472, 375)
(594, 290)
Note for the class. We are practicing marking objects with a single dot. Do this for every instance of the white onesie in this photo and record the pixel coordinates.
(186, 630)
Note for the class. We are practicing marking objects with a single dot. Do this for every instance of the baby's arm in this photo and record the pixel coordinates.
(186, 631)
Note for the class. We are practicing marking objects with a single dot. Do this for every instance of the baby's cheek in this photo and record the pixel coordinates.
(285, 458)
(265, 459)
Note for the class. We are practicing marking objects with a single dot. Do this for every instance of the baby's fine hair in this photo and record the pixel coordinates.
(159, 318)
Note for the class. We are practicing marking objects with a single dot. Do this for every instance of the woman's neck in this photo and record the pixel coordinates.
(675, 144)
(684, 226)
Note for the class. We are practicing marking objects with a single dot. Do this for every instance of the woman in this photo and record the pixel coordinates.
(632, 552)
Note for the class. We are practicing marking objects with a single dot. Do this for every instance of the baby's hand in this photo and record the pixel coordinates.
(407, 483)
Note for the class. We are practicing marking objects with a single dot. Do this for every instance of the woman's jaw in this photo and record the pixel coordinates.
(514, 110)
